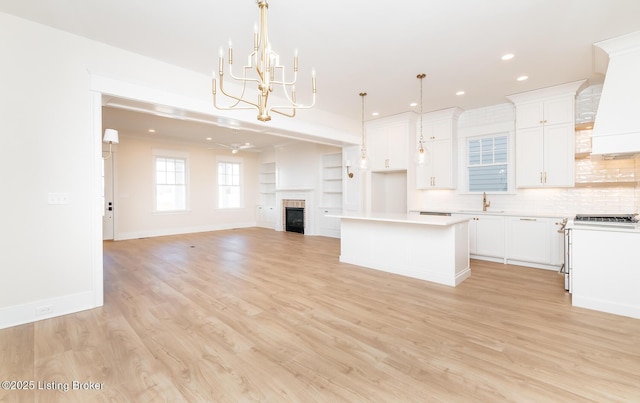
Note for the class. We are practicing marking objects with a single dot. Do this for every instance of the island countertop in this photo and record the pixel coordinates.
(404, 218)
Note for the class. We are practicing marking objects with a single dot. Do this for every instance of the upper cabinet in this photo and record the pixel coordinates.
(440, 142)
(545, 131)
(387, 142)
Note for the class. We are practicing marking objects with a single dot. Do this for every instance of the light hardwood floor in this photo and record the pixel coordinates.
(259, 315)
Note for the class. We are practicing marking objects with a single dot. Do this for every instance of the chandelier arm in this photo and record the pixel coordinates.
(244, 88)
(255, 105)
(295, 105)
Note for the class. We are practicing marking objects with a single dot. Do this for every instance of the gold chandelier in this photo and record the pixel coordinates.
(263, 68)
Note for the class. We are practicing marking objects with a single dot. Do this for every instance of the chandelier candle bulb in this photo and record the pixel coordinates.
(313, 80)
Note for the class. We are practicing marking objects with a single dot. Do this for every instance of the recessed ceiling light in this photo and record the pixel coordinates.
(209, 139)
(522, 78)
(152, 130)
(375, 114)
(507, 56)
(412, 104)
(460, 93)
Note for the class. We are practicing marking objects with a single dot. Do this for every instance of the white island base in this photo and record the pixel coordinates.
(431, 248)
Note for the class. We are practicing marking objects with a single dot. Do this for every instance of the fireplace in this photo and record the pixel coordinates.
(294, 219)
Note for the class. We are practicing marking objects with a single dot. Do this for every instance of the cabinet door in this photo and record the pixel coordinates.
(529, 239)
(559, 110)
(397, 141)
(377, 147)
(559, 155)
(529, 157)
(441, 162)
(529, 114)
(387, 146)
(440, 129)
(490, 236)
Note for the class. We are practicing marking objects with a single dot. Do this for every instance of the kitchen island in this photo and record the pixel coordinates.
(431, 248)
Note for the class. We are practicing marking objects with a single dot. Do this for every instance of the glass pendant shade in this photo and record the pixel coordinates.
(421, 157)
(364, 162)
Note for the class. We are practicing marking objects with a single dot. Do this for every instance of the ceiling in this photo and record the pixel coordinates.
(360, 45)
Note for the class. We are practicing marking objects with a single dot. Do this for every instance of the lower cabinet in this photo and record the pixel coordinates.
(266, 216)
(519, 240)
(486, 236)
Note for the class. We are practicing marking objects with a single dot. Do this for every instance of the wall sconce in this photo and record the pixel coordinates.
(111, 137)
(347, 164)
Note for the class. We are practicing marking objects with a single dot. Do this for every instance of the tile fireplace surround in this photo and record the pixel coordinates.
(296, 198)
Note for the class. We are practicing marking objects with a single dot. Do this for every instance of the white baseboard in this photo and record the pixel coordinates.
(46, 308)
(122, 236)
(605, 306)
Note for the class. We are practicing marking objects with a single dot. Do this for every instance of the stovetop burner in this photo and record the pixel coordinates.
(606, 218)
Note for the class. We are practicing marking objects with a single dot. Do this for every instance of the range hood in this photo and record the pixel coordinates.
(616, 131)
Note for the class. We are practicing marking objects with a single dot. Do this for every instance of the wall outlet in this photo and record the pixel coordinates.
(44, 310)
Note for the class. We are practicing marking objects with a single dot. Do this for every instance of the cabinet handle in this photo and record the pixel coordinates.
(545, 177)
(528, 219)
(386, 163)
(541, 177)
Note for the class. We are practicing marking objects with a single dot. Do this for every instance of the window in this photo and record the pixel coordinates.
(229, 189)
(487, 163)
(171, 183)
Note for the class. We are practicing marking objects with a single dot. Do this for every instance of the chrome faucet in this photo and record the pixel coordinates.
(485, 203)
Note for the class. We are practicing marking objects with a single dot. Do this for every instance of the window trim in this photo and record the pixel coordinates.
(230, 160)
(173, 154)
(464, 160)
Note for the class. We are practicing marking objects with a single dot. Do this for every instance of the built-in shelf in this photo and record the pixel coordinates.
(332, 171)
(267, 184)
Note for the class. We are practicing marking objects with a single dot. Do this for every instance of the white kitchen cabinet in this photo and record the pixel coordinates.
(440, 141)
(486, 236)
(545, 135)
(549, 111)
(545, 156)
(387, 143)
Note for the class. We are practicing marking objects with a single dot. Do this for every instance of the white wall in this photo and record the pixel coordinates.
(134, 203)
(50, 127)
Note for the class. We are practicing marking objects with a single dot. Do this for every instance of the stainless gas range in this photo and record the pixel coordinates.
(616, 220)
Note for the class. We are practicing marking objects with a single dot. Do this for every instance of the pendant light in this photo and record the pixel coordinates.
(422, 154)
(364, 162)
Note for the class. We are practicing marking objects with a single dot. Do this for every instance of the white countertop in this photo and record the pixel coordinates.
(496, 212)
(404, 218)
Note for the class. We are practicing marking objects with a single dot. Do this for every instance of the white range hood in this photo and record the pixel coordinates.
(617, 125)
